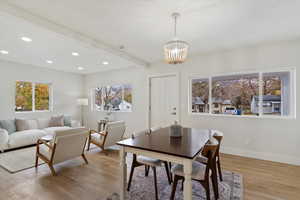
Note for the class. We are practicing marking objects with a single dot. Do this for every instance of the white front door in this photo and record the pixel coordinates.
(164, 100)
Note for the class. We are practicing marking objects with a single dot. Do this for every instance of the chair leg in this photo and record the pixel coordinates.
(147, 170)
(207, 190)
(182, 184)
(219, 169)
(174, 186)
(36, 161)
(130, 177)
(155, 182)
(170, 167)
(168, 172)
(84, 158)
(89, 143)
(52, 169)
(214, 180)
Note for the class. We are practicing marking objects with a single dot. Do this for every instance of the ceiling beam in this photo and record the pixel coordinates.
(16, 11)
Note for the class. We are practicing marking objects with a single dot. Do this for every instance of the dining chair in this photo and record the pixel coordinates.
(200, 172)
(148, 162)
(65, 145)
(218, 135)
(113, 133)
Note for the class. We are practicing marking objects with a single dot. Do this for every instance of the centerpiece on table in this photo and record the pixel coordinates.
(176, 130)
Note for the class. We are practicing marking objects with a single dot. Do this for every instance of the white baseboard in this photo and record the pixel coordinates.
(262, 155)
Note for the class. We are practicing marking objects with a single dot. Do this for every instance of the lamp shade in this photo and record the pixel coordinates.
(83, 101)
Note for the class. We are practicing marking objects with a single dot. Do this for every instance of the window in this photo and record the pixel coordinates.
(23, 96)
(276, 93)
(42, 100)
(32, 97)
(98, 98)
(244, 94)
(200, 95)
(113, 98)
(233, 94)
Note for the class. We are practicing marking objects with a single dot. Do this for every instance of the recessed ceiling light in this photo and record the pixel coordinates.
(49, 61)
(105, 63)
(4, 52)
(75, 54)
(26, 39)
(80, 68)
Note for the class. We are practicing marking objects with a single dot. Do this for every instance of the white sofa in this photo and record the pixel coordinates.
(29, 137)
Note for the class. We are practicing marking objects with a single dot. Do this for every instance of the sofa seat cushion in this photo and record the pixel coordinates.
(51, 130)
(149, 161)
(198, 170)
(23, 138)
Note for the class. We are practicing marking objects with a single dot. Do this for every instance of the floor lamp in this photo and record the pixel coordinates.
(82, 102)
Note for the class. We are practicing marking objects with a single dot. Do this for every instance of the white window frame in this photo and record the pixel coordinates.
(33, 97)
(292, 103)
(92, 96)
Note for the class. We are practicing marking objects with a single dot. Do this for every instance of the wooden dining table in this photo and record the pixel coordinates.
(158, 144)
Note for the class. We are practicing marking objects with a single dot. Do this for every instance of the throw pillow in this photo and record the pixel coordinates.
(23, 124)
(68, 121)
(9, 125)
(56, 121)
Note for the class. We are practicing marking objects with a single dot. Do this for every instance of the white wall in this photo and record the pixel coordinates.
(270, 139)
(67, 87)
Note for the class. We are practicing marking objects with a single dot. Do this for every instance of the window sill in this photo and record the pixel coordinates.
(40, 111)
(112, 111)
(243, 116)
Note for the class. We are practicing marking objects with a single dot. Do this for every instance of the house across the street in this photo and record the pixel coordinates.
(271, 104)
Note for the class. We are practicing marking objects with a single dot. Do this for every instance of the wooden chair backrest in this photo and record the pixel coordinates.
(115, 132)
(219, 138)
(209, 151)
(69, 144)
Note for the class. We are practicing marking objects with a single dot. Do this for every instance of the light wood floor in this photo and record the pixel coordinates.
(263, 180)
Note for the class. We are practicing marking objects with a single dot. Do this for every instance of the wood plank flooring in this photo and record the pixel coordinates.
(263, 180)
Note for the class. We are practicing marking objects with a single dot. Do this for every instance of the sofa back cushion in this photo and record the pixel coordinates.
(43, 123)
(26, 124)
(9, 125)
(56, 121)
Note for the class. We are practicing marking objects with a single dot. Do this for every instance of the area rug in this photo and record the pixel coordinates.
(18, 160)
(231, 188)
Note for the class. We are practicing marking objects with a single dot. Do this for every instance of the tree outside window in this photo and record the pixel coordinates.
(114, 98)
(32, 97)
(234, 94)
(42, 99)
(23, 96)
(200, 95)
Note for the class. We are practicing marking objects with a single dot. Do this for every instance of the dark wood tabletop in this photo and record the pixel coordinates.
(187, 146)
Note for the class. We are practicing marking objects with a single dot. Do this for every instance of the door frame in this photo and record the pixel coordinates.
(150, 77)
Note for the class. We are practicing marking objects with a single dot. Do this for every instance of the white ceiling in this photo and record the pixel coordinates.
(143, 26)
(48, 45)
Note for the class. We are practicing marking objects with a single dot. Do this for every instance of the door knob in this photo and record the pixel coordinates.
(173, 113)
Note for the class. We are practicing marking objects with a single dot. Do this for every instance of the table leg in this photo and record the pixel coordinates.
(187, 190)
(123, 173)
